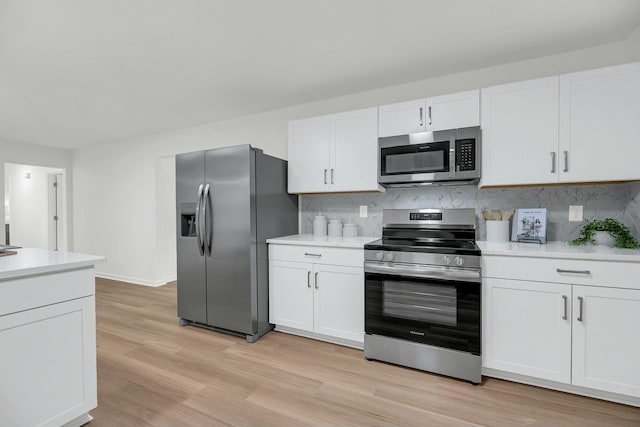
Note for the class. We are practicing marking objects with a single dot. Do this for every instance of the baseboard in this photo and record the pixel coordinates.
(79, 421)
(135, 280)
(567, 388)
(321, 337)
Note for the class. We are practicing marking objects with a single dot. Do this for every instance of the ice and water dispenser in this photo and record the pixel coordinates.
(188, 219)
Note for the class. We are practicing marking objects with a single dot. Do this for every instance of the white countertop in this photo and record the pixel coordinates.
(30, 261)
(330, 242)
(559, 250)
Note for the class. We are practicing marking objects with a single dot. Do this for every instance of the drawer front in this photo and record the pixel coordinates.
(317, 255)
(579, 272)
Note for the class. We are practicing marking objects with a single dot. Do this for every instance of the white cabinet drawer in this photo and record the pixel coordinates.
(317, 255)
(579, 272)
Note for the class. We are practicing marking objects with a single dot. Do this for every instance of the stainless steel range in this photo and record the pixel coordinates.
(422, 292)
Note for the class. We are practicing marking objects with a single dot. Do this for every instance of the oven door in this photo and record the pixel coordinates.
(433, 305)
(421, 157)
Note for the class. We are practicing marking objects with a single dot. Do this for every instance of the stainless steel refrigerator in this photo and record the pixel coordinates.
(229, 201)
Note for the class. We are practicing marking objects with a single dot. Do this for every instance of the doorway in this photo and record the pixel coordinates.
(35, 206)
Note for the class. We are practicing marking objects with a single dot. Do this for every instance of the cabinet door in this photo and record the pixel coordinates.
(600, 124)
(458, 110)
(309, 155)
(291, 294)
(339, 302)
(520, 133)
(48, 364)
(355, 151)
(527, 328)
(606, 347)
(402, 118)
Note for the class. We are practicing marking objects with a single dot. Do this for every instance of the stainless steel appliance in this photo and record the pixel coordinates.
(229, 201)
(427, 158)
(422, 292)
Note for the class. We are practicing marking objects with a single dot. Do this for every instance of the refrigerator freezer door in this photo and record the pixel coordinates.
(231, 233)
(192, 290)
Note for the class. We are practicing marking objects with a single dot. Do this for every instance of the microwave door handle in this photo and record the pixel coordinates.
(452, 159)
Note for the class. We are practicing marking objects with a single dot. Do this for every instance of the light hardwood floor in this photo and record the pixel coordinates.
(152, 372)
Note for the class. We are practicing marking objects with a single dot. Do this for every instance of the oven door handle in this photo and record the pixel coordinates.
(428, 272)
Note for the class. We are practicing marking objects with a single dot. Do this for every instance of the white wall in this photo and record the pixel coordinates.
(28, 200)
(123, 192)
(38, 155)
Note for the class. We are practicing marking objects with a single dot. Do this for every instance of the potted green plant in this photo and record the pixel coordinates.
(620, 235)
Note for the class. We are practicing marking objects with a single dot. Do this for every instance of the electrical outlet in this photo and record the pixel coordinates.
(575, 213)
(363, 211)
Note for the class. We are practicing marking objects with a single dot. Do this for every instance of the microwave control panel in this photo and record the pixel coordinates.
(465, 155)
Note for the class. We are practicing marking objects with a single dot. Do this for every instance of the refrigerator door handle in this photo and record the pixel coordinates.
(207, 231)
(198, 224)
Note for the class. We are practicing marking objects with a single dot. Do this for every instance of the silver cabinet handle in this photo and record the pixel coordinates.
(331, 175)
(316, 281)
(580, 306)
(325, 177)
(421, 121)
(560, 270)
(198, 224)
(564, 302)
(566, 161)
(206, 199)
(310, 254)
(430, 115)
(309, 279)
(553, 162)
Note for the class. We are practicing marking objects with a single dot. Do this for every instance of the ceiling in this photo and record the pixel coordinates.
(81, 72)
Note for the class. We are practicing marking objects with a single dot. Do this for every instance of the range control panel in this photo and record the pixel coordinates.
(425, 216)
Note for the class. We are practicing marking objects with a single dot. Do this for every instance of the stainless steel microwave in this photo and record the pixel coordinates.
(425, 158)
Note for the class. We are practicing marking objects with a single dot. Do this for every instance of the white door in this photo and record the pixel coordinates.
(339, 302)
(56, 209)
(606, 344)
(291, 294)
(48, 364)
(402, 118)
(458, 110)
(355, 151)
(600, 124)
(527, 328)
(309, 155)
(520, 133)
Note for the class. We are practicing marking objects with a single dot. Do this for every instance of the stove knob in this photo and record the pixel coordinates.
(459, 261)
(446, 259)
(379, 256)
(388, 256)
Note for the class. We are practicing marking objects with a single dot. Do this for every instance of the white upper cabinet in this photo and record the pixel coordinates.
(458, 110)
(453, 111)
(336, 153)
(309, 155)
(355, 151)
(520, 133)
(402, 118)
(600, 124)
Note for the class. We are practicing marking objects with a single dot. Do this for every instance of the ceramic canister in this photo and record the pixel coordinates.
(335, 228)
(320, 225)
(350, 230)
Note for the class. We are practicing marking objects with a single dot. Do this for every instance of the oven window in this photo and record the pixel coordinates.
(415, 162)
(435, 304)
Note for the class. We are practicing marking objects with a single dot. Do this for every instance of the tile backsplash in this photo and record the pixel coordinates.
(620, 201)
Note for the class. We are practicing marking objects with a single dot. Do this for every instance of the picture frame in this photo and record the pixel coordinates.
(529, 225)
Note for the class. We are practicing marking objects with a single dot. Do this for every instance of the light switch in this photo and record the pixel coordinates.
(575, 213)
(363, 211)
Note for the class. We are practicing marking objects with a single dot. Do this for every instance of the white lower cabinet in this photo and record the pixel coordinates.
(606, 344)
(317, 299)
(584, 336)
(528, 328)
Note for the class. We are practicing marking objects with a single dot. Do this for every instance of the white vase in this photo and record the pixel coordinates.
(603, 238)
